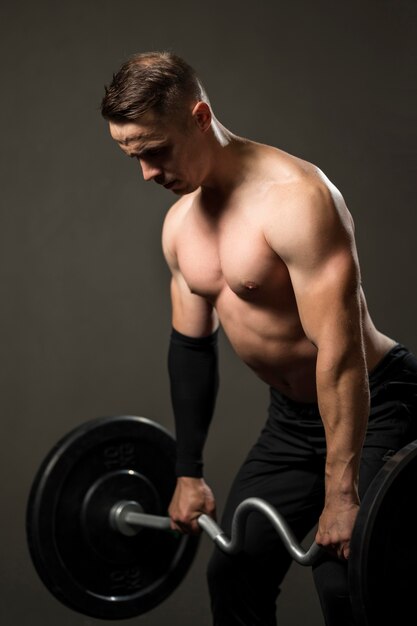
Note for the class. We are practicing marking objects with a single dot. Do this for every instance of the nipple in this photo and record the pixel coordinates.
(250, 285)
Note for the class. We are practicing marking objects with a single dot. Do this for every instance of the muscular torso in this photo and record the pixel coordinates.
(223, 256)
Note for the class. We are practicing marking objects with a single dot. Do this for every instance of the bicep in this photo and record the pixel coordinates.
(328, 297)
(316, 242)
(192, 315)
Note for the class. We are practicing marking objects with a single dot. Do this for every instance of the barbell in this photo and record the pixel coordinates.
(127, 517)
(100, 542)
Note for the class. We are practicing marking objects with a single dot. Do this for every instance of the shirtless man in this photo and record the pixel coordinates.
(262, 243)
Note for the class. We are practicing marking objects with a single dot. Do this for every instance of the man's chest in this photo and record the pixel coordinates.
(235, 257)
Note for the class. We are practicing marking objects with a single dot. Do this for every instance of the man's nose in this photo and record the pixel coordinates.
(149, 171)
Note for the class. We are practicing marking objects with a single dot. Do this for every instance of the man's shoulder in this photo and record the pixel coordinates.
(295, 184)
(286, 175)
(304, 207)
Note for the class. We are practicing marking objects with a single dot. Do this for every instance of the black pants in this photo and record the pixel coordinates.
(286, 468)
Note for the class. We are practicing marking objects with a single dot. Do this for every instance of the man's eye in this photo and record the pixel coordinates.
(154, 152)
(150, 154)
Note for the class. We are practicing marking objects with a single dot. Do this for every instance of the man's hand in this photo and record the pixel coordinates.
(192, 498)
(336, 526)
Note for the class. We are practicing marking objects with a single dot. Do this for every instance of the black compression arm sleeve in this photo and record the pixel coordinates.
(194, 378)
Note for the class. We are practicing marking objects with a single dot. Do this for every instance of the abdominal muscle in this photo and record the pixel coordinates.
(276, 348)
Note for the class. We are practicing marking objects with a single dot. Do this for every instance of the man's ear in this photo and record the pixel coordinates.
(202, 115)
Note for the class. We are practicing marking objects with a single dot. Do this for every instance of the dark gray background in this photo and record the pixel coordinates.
(85, 313)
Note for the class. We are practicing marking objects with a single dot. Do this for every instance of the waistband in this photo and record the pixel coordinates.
(390, 360)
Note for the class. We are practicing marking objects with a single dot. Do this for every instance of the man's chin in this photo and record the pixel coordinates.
(182, 189)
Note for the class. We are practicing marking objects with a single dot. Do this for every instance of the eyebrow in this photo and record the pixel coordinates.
(148, 148)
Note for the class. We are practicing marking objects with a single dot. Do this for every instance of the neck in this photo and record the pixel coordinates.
(226, 168)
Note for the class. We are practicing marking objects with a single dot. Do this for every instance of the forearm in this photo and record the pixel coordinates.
(343, 394)
(193, 371)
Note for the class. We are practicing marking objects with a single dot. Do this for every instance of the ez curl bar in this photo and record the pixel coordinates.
(128, 518)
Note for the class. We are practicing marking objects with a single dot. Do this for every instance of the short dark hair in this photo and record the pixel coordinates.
(158, 81)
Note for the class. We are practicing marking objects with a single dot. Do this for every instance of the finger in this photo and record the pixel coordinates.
(179, 525)
(345, 552)
(195, 529)
(213, 514)
(177, 528)
(341, 551)
(333, 549)
(186, 527)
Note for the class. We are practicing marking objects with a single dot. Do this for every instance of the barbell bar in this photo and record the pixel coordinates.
(127, 517)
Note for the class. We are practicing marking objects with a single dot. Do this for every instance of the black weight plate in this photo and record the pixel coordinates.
(383, 559)
(85, 564)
